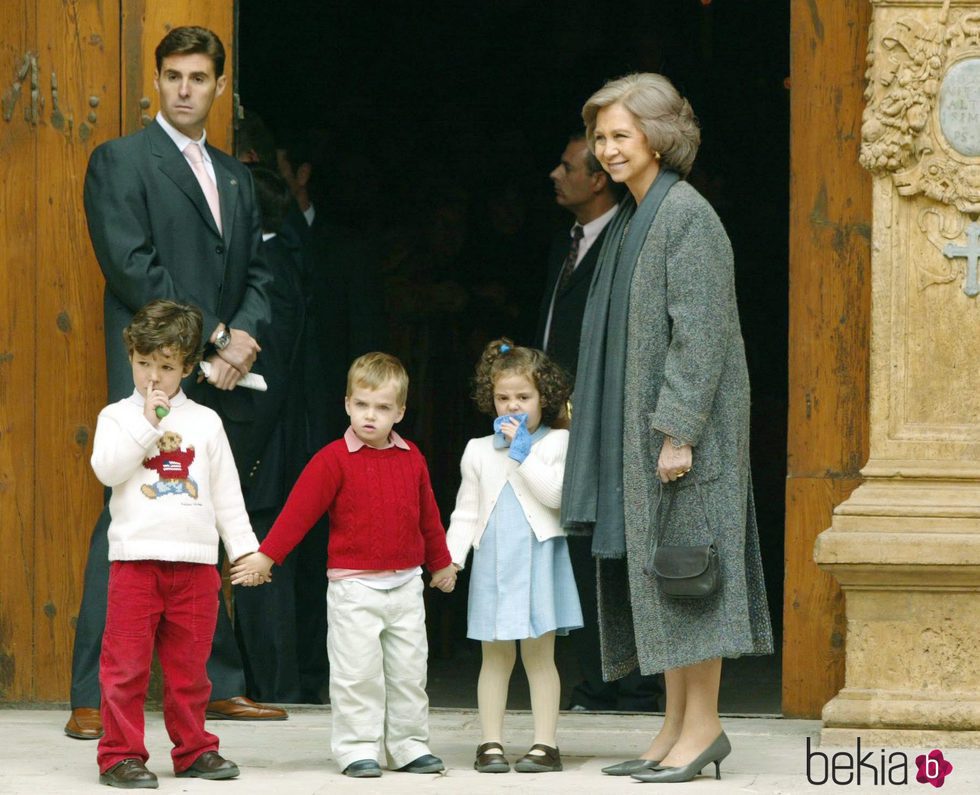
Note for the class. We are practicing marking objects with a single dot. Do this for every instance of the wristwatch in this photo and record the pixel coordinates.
(223, 340)
(676, 443)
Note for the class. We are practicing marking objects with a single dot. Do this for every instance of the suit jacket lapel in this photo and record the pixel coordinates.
(228, 189)
(175, 166)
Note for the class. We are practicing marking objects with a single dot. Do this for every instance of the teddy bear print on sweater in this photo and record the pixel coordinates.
(172, 464)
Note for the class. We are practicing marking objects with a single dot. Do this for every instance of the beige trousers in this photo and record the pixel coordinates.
(378, 655)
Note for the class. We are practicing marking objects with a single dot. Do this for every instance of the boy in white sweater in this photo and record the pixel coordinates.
(175, 491)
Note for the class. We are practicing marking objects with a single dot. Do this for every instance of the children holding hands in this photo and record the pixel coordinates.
(175, 493)
(521, 583)
(384, 523)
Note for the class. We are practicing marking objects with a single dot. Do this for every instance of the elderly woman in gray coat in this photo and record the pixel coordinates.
(660, 433)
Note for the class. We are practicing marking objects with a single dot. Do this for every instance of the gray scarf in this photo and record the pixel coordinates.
(592, 494)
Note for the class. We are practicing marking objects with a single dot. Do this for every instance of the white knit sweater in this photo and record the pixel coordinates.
(486, 469)
(175, 519)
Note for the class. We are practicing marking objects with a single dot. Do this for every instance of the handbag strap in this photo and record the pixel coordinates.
(665, 500)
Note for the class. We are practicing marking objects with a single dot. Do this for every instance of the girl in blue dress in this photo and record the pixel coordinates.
(521, 582)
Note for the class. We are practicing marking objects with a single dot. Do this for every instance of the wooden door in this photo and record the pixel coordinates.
(72, 75)
(52, 382)
(830, 306)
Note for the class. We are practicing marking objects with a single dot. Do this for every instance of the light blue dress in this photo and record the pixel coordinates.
(520, 587)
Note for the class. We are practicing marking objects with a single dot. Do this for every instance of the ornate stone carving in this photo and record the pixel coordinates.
(940, 230)
(944, 231)
(902, 135)
(905, 546)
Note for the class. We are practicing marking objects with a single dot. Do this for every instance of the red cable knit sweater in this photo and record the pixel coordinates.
(383, 514)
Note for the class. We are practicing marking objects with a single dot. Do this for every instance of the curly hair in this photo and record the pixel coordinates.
(549, 379)
(164, 324)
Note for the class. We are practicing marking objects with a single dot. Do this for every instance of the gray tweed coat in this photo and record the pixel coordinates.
(686, 377)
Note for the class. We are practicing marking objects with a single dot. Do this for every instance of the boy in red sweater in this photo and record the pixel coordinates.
(384, 524)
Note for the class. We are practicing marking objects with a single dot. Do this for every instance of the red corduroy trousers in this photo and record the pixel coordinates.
(171, 607)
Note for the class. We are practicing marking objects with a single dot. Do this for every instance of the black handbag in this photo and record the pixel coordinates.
(681, 572)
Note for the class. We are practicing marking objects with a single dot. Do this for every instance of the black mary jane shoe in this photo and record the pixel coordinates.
(490, 763)
(549, 761)
(631, 766)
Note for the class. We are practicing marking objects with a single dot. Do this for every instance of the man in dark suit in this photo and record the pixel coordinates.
(171, 217)
(343, 321)
(584, 189)
(265, 618)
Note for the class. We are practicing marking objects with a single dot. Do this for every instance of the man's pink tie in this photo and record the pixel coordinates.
(195, 156)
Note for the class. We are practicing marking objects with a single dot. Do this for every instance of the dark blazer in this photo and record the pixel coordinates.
(273, 455)
(566, 319)
(155, 237)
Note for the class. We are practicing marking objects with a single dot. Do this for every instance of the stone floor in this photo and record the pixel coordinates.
(769, 756)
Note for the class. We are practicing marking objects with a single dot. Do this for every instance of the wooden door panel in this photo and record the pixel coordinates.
(830, 312)
(813, 607)
(80, 59)
(79, 62)
(18, 208)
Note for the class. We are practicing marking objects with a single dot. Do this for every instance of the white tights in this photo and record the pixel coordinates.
(538, 656)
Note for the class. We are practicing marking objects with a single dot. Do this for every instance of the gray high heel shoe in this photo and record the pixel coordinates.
(630, 767)
(715, 752)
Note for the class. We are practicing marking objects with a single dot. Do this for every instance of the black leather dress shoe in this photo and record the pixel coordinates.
(129, 774)
(427, 763)
(363, 768)
(210, 765)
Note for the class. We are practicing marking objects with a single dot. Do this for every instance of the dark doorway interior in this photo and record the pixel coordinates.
(440, 123)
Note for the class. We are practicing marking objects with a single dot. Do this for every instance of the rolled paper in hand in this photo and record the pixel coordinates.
(162, 411)
(249, 380)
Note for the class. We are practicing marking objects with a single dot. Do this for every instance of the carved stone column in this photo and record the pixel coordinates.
(906, 546)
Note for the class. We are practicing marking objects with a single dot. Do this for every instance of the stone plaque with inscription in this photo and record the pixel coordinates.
(959, 107)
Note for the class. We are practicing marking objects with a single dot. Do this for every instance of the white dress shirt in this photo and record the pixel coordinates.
(183, 142)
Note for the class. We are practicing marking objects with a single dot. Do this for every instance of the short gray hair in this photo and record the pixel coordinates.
(664, 116)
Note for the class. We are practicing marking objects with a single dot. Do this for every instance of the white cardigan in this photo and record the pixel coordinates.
(486, 469)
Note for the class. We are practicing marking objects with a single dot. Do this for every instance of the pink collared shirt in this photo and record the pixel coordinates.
(355, 443)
